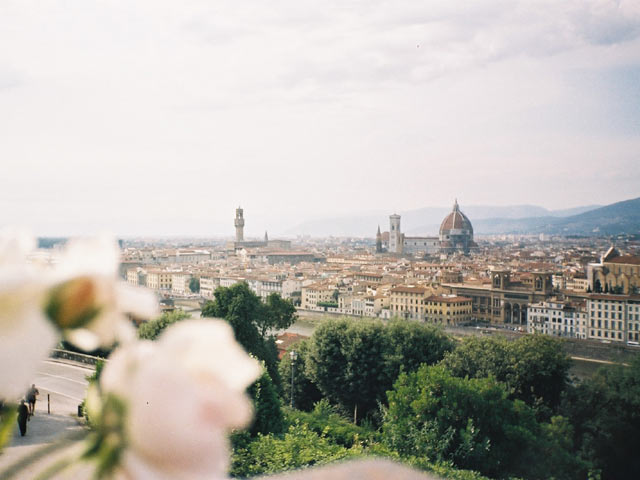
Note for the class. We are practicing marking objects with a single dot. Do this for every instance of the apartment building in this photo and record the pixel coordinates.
(447, 309)
(208, 285)
(558, 317)
(159, 279)
(263, 287)
(407, 301)
(180, 283)
(137, 276)
(317, 293)
(613, 318)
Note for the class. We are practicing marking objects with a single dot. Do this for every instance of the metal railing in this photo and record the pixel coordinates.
(75, 357)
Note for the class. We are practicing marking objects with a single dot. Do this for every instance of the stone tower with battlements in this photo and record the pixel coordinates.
(239, 223)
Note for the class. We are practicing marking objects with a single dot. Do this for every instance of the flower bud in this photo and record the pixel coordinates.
(73, 304)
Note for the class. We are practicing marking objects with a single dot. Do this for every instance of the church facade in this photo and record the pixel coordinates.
(455, 235)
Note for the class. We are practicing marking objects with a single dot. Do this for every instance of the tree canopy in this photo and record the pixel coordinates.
(194, 284)
(355, 363)
(153, 328)
(605, 413)
(267, 417)
(469, 422)
(534, 367)
(305, 392)
(252, 320)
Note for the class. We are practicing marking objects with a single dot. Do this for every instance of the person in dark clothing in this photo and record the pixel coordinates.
(31, 398)
(23, 415)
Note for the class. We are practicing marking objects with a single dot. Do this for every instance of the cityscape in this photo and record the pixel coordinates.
(301, 240)
(528, 283)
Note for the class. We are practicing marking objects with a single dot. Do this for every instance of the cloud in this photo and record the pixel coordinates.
(329, 50)
(168, 106)
(10, 78)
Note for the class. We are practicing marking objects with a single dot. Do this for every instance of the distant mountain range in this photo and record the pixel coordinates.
(621, 217)
(617, 218)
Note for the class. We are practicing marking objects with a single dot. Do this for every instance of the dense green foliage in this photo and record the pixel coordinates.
(469, 422)
(353, 364)
(252, 320)
(305, 392)
(153, 328)
(267, 416)
(473, 424)
(95, 375)
(488, 407)
(307, 443)
(279, 314)
(299, 447)
(605, 414)
(324, 419)
(194, 285)
(534, 367)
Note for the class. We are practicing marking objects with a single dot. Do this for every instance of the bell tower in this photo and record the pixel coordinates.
(395, 236)
(239, 223)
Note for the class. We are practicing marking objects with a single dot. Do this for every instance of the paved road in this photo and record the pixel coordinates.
(65, 386)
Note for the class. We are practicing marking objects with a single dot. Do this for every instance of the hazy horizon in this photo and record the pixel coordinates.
(153, 117)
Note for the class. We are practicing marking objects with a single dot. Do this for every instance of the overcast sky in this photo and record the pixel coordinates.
(160, 117)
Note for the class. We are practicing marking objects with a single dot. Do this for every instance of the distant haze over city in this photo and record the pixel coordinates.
(160, 118)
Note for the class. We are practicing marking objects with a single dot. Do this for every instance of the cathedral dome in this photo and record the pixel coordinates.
(456, 222)
(456, 232)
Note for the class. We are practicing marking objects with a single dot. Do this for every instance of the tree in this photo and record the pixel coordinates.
(246, 314)
(240, 307)
(279, 314)
(539, 369)
(410, 344)
(267, 416)
(470, 422)
(346, 363)
(605, 413)
(153, 328)
(534, 367)
(305, 392)
(597, 286)
(355, 363)
(194, 285)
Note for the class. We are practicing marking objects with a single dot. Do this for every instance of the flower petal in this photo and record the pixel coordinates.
(26, 339)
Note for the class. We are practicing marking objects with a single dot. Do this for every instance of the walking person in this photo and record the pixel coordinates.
(31, 398)
(23, 415)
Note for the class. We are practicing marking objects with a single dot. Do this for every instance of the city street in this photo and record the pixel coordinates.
(62, 388)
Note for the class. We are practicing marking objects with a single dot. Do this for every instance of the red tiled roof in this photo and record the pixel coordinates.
(625, 260)
(456, 220)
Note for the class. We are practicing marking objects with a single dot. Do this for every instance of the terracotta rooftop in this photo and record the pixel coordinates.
(625, 260)
(456, 220)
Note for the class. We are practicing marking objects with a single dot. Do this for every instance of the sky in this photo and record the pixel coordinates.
(161, 117)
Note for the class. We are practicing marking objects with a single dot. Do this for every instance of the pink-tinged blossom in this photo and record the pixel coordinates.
(182, 394)
(88, 302)
(26, 336)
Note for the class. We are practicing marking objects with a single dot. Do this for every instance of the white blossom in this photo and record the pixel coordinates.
(183, 394)
(89, 303)
(26, 336)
